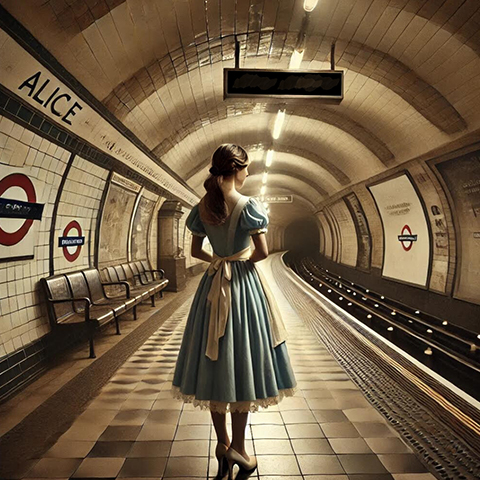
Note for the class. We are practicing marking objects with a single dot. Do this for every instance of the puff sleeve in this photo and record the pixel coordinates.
(194, 224)
(254, 217)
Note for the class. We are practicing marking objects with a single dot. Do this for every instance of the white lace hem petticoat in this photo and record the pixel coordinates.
(224, 407)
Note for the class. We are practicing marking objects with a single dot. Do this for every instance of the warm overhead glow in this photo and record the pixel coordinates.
(296, 60)
(278, 124)
(309, 5)
(269, 158)
(264, 179)
(262, 190)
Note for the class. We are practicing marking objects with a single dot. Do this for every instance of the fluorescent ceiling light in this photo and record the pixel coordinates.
(278, 124)
(264, 179)
(296, 60)
(262, 190)
(269, 158)
(309, 5)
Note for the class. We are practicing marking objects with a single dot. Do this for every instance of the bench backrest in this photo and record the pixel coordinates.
(79, 288)
(112, 274)
(92, 276)
(120, 273)
(129, 273)
(146, 268)
(56, 288)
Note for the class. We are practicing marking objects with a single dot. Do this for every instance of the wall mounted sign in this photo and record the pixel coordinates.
(126, 183)
(406, 235)
(22, 74)
(43, 91)
(278, 198)
(19, 212)
(68, 240)
(462, 177)
(311, 84)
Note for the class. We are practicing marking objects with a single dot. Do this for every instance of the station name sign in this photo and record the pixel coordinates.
(277, 198)
(18, 209)
(253, 83)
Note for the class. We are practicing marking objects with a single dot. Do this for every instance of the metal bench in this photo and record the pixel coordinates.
(142, 282)
(64, 308)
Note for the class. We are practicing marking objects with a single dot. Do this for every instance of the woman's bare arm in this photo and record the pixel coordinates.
(197, 250)
(261, 248)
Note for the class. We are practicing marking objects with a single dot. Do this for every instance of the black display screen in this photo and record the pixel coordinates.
(283, 83)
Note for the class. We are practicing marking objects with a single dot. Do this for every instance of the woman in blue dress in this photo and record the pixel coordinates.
(233, 355)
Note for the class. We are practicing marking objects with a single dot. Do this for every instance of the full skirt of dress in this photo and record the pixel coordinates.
(249, 372)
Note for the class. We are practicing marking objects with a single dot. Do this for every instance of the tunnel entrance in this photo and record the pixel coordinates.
(302, 237)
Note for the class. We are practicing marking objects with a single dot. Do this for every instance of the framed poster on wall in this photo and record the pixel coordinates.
(363, 231)
(327, 235)
(461, 176)
(348, 248)
(407, 249)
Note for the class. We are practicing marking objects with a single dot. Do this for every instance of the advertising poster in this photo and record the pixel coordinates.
(330, 219)
(21, 210)
(406, 235)
(348, 248)
(363, 232)
(462, 177)
(327, 235)
(115, 225)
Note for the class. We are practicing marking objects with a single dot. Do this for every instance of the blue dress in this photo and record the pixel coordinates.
(249, 373)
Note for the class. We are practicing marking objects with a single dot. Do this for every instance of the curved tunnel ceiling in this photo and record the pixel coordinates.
(412, 81)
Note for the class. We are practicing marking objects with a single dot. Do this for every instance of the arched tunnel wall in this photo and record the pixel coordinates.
(412, 234)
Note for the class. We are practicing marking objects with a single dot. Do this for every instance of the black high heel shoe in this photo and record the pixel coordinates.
(220, 452)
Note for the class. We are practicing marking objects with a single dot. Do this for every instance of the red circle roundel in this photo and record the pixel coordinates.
(71, 257)
(22, 181)
(406, 244)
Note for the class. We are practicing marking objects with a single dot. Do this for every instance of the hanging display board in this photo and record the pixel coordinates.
(311, 84)
(406, 235)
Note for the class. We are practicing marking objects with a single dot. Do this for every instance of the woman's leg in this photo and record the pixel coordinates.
(220, 424)
(239, 423)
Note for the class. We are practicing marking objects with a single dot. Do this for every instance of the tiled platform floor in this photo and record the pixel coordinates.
(134, 429)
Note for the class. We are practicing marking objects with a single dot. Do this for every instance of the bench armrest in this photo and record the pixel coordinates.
(125, 284)
(75, 299)
(160, 271)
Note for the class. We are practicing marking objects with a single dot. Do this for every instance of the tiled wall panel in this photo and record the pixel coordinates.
(79, 202)
(22, 320)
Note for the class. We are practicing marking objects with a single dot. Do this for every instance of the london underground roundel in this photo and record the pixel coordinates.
(23, 182)
(406, 238)
(67, 240)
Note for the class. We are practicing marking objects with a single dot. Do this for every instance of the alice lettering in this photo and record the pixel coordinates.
(61, 104)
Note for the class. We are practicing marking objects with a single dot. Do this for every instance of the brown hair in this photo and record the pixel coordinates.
(226, 161)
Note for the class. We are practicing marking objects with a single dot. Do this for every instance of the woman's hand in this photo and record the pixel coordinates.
(197, 250)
